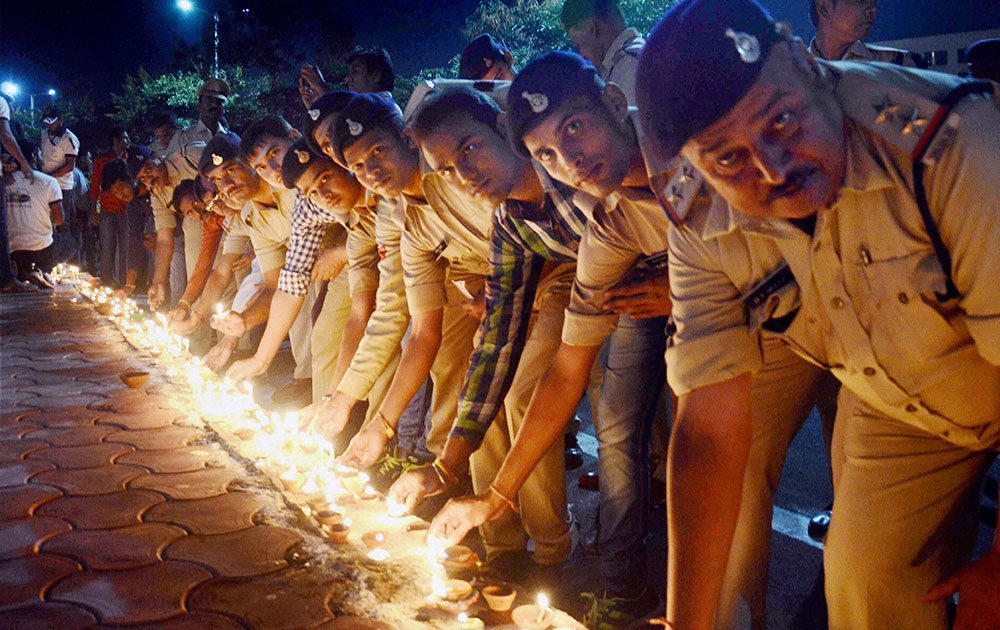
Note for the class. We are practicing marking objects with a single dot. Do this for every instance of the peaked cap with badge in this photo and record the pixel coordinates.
(220, 149)
(699, 61)
(364, 113)
(541, 87)
(327, 105)
(297, 160)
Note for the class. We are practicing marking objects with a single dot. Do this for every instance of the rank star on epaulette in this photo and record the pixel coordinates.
(914, 123)
(676, 195)
(886, 109)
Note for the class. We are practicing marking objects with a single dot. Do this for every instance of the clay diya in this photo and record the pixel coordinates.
(338, 532)
(533, 616)
(373, 539)
(329, 518)
(134, 379)
(459, 557)
(104, 308)
(499, 597)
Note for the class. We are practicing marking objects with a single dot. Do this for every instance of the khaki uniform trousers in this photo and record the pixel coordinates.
(904, 517)
(327, 334)
(783, 394)
(544, 516)
(300, 336)
(458, 334)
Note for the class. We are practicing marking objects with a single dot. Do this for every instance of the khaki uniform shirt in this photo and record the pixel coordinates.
(362, 253)
(622, 60)
(388, 323)
(860, 51)
(868, 276)
(198, 132)
(266, 227)
(181, 164)
(626, 226)
(446, 239)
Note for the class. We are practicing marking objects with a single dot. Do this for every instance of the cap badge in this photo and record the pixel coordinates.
(314, 114)
(746, 45)
(217, 159)
(538, 102)
(354, 128)
(302, 155)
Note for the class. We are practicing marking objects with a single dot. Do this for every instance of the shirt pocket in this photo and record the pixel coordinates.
(906, 318)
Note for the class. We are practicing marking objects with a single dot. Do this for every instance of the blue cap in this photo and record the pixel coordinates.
(221, 148)
(472, 65)
(326, 105)
(364, 113)
(541, 88)
(297, 161)
(699, 61)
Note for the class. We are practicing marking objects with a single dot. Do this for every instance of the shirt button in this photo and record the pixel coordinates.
(837, 303)
(869, 371)
(911, 408)
(903, 298)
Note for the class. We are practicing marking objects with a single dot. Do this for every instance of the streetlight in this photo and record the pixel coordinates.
(187, 6)
(31, 97)
(10, 88)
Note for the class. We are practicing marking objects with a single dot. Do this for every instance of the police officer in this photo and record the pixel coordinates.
(597, 29)
(212, 97)
(841, 25)
(877, 185)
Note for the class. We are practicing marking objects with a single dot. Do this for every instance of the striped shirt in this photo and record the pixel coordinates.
(523, 240)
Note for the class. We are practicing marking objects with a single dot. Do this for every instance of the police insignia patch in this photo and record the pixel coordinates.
(538, 102)
(354, 128)
(217, 159)
(746, 45)
(314, 114)
(302, 155)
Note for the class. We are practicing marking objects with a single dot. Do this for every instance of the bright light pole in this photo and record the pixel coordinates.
(187, 6)
(10, 88)
(31, 97)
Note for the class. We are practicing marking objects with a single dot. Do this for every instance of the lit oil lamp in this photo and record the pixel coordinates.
(534, 616)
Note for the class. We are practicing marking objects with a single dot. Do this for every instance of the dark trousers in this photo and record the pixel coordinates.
(114, 248)
(59, 251)
(6, 271)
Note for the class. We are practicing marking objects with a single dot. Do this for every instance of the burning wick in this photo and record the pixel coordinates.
(394, 509)
(543, 607)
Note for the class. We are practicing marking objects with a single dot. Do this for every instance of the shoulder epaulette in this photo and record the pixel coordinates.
(679, 191)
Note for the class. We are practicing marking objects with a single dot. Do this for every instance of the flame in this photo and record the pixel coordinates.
(378, 554)
(543, 601)
(438, 587)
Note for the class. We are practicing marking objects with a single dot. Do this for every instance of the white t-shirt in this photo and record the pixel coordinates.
(4, 108)
(29, 221)
(55, 150)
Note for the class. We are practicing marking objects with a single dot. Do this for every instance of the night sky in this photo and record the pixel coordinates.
(45, 45)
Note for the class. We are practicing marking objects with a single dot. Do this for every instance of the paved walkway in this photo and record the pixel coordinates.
(119, 510)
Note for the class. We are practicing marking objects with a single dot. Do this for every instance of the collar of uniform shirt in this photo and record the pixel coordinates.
(623, 39)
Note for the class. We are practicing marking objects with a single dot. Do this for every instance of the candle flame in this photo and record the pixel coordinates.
(394, 508)
(543, 601)
(438, 587)
(378, 554)
(463, 618)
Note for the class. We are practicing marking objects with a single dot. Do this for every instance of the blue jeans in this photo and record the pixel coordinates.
(114, 244)
(633, 380)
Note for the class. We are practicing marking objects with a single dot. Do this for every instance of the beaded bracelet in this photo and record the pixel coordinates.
(510, 502)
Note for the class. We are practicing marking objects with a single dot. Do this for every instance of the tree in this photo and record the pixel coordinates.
(144, 94)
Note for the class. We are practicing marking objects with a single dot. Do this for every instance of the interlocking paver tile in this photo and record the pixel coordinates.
(70, 388)
(87, 481)
(49, 616)
(125, 597)
(13, 451)
(302, 593)
(225, 513)
(154, 439)
(77, 436)
(22, 537)
(254, 551)
(21, 501)
(19, 430)
(129, 401)
(39, 377)
(199, 484)
(353, 623)
(153, 419)
(189, 621)
(14, 416)
(25, 579)
(72, 401)
(124, 548)
(89, 456)
(18, 473)
(63, 418)
(105, 511)
(187, 459)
